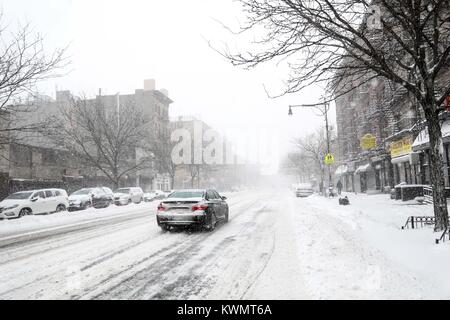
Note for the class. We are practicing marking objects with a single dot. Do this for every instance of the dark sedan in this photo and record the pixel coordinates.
(201, 208)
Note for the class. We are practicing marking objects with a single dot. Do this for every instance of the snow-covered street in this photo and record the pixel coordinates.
(274, 247)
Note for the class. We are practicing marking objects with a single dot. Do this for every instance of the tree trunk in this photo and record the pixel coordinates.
(116, 184)
(437, 171)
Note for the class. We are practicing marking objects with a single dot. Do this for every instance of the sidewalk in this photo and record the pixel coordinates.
(360, 251)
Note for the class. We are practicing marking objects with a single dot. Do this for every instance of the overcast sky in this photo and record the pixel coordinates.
(116, 44)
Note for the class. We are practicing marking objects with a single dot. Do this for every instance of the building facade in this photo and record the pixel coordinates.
(35, 160)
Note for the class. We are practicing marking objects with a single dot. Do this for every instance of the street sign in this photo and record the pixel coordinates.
(368, 142)
(329, 159)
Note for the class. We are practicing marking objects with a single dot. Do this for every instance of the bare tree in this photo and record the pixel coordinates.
(117, 144)
(298, 164)
(23, 64)
(345, 44)
(162, 150)
(314, 148)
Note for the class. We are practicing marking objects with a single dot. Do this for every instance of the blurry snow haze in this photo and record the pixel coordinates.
(115, 45)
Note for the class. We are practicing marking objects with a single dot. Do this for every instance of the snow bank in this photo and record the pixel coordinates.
(360, 251)
(42, 222)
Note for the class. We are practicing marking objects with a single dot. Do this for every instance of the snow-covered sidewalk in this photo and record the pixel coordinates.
(360, 251)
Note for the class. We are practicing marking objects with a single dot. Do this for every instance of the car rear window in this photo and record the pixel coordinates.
(186, 194)
(48, 194)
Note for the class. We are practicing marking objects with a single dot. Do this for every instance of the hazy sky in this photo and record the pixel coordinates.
(115, 45)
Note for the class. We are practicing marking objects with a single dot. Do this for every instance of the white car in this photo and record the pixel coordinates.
(24, 203)
(304, 190)
(125, 196)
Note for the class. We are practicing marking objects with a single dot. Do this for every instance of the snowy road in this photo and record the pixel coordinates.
(274, 247)
(125, 255)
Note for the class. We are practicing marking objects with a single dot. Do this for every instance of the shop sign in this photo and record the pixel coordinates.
(369, 142)
(401, 148)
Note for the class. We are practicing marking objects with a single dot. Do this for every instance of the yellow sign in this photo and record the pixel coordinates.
(401, 147)
(329, 159)
(368, 142)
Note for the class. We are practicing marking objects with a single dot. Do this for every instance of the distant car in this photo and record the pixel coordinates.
(90, 197)
(193, 207)
(304, 190)
(24, 203)
(125, 196)
(154, 195)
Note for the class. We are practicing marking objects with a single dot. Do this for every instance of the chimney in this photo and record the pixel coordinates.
(149, 84)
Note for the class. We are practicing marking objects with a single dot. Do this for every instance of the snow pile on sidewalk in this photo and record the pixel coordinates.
(360, 251)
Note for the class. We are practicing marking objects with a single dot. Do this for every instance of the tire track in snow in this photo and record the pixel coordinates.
(194, 280)
(155, 271)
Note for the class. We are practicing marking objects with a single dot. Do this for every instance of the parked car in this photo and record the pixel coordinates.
(196, 207)
(24, 203)
(154, 195)
(125, 196)
(90, 197)
(109, 194)
(304, 190)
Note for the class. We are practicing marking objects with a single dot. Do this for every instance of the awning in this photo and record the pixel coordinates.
(363, 168)
(412, 158)
(341, 170)
(401, 159)
(423, 139)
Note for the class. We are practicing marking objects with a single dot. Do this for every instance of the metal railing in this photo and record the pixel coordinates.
(416, 222)
(442, 238)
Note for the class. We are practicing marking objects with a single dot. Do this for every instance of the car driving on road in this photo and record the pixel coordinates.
(197, 207)
(304, 190)
(24, 203)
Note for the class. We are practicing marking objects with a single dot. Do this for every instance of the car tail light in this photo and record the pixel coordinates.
(200, 207)
(161, 207)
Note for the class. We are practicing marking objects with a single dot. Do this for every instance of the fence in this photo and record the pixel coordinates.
(414, 222)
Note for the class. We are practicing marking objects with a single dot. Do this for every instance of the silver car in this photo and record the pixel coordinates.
(125, 196)
(201, 208)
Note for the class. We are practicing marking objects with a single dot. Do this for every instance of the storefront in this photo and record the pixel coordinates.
(345, 173)
(365, 178)
(381, 168)
(405, 162)
(421, 147)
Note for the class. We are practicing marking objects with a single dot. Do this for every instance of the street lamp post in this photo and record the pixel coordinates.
(324, 113)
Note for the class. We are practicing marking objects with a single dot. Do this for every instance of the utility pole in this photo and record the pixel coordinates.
(324, 113)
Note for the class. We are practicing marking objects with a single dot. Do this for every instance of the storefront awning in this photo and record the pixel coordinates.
(363, 168)
(423, 139)
(412, 158)
(341, 170)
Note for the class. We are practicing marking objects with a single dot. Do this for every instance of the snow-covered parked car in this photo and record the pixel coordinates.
(184, 208)
(90, 197)
(24, 203)
(125, 196)
(154, 195)
(304, 190)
